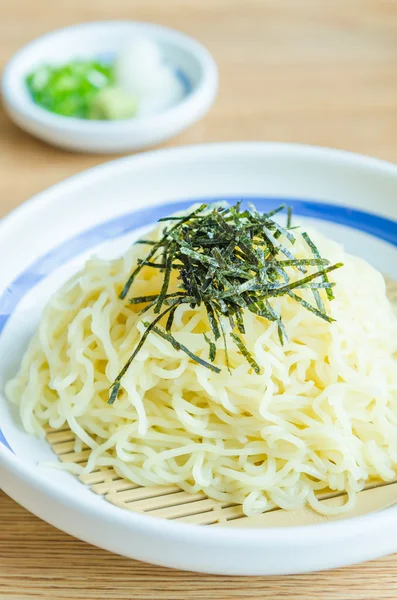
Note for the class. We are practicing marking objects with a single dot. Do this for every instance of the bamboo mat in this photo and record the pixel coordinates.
(170, 502)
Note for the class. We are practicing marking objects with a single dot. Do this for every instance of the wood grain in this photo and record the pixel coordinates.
(36, 561)
(314, 71)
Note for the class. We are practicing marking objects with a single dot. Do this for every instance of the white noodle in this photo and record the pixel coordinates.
(323, 415)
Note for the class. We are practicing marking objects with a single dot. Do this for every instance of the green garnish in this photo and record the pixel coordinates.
(80, 89)
(111, 103)
(229, 261)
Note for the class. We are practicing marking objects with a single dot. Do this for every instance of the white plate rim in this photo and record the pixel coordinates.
(218, 539)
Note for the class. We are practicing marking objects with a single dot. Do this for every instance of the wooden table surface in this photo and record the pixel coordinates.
(313, 71)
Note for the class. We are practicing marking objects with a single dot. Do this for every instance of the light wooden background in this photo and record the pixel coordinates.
(319, 72)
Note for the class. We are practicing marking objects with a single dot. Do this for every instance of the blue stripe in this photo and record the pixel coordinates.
(4, 441)
(380, 227)
(184, 79)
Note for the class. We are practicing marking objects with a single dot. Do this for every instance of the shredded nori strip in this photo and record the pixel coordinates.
(316, 254)
(116, 384)
(245, 352)
(227, 260)
(178, 346)
(212, 350)
(157, 245)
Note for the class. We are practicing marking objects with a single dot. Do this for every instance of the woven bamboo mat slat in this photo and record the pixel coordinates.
(170, 502)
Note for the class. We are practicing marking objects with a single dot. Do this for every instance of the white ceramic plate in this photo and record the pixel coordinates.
(351, 198)
(193, 63)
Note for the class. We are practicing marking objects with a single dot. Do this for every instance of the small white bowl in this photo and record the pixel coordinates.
(89, 40)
